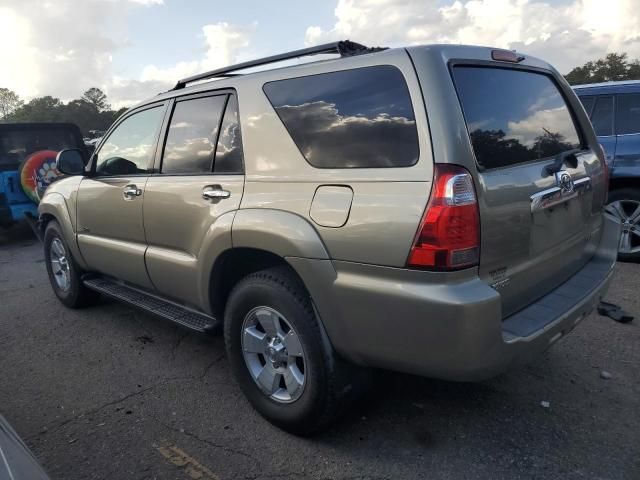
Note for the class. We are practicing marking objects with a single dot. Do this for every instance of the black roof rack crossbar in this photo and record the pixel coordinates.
(345, 48)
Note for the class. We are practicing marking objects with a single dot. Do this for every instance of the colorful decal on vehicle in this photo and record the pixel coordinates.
(37, 172)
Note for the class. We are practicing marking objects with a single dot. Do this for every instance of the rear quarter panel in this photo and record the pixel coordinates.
(387, 202)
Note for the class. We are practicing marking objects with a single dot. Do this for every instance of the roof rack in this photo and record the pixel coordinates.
(345, 48)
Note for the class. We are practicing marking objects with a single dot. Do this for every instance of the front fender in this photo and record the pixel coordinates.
(54, 204)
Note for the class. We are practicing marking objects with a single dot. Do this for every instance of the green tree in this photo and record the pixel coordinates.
(81, 113)
(96, 98)
(615, 66)
(90, 112)
(634, 70)
(9, 102)
(40, 109)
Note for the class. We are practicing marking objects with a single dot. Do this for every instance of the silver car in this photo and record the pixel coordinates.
(433, 209)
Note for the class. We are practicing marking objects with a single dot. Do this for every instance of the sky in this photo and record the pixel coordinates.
(133, 49)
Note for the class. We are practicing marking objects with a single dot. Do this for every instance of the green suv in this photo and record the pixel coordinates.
(436, 210)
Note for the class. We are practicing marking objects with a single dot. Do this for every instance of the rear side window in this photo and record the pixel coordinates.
(192, 135)
(628, 114)
(513, 116)
(229, 150)
(360, 118)
(602, 116)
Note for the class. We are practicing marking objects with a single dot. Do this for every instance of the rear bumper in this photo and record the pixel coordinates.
(415, 322)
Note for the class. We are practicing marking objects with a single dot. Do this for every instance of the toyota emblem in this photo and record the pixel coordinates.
(565, 182)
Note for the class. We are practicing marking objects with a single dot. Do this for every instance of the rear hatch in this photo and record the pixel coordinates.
(540, 184)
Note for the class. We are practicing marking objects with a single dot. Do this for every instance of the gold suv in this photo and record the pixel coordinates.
(435, 210)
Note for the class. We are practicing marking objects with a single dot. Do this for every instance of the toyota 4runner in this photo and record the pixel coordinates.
(436, 210)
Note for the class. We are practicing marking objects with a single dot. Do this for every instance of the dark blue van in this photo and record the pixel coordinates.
(614, 110)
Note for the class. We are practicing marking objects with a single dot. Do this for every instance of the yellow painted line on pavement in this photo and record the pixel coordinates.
(190, 465)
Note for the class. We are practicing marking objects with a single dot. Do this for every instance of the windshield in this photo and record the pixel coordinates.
(513, 116)
(18, 143)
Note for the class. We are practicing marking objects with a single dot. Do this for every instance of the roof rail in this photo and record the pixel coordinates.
(345, 48)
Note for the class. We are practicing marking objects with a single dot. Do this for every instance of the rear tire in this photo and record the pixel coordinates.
(64, 274)
(624, 204)
(322, 384)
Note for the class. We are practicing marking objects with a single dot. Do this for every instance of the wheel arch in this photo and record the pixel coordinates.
(284, 233)
(262, 238)
(315, 276)
(233, 265)
(54, 207)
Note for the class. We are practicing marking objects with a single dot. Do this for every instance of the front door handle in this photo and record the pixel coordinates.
(131, 191)
(215, 192)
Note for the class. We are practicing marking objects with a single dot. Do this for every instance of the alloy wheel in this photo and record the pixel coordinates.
(628, 212)
(273, 354)
(59, 264)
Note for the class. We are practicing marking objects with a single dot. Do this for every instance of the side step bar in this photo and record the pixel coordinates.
(152, 304)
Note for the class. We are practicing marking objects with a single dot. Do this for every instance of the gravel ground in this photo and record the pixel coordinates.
(112, 393)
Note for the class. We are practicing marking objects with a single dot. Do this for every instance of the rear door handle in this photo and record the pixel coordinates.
(215, 192)
(131, 191)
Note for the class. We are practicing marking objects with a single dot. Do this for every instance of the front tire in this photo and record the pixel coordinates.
(280, 356)
(624, 204)
(64, 274)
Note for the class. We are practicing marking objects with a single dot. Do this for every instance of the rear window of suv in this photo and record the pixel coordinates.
(361, 118)
(513, 116)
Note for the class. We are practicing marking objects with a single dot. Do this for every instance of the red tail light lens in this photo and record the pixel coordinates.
(449, 234)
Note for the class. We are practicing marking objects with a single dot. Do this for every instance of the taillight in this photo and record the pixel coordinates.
(449, 234)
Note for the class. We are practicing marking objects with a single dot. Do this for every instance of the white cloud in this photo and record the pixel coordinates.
(327, 137)
(68, 47)
(527, 131)
(64, 47)
(16, 31)
(61, 48)
(123, 92)
(567, 35)
(223, 43)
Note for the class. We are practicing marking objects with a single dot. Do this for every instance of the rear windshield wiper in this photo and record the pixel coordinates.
(560, 159)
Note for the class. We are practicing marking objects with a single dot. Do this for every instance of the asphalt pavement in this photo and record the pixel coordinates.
(112, 393)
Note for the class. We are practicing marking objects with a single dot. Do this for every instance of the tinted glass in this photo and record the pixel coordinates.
(129, 148)
(229, 150)
(17, 144)
(513, 116)
(349, 119)
(628, 114)
(192, 135)
(587, 103)
(602, 116)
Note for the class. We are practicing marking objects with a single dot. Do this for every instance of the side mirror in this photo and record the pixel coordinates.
(70, 162)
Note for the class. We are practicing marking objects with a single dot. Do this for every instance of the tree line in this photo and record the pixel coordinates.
(92, 110)
(613, 67)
